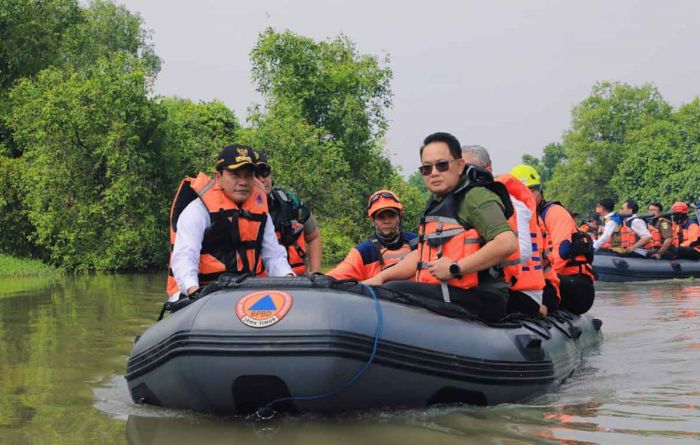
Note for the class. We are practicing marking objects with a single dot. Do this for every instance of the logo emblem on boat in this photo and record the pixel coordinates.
(263, 308)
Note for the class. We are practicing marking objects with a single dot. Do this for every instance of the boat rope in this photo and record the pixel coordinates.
(267, 412)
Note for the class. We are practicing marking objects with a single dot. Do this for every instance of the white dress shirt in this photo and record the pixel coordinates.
(192, 224)
(640, 228)
(610, 227)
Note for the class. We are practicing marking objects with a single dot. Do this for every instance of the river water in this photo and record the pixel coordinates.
(64, 346)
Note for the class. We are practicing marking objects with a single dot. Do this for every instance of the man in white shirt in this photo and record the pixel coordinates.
(237, 203)
(636, 225)
(609, 232)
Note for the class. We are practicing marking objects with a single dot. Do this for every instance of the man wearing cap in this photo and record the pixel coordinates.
(295, 226)
(688, 233)
(661, 230)
(222, 225)
(389, 244)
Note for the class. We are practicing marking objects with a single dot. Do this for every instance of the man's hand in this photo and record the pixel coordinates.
(543, 310)
(440, 268)
(619, 250)
(656, 256)
(191, 290)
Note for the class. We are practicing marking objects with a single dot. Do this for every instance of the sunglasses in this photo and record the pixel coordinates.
(374, 198)
(262, 170)
(441, 166)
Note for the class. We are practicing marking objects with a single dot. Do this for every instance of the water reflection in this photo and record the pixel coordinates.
(63, 350)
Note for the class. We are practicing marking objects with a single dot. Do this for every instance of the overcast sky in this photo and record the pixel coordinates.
(502, 74)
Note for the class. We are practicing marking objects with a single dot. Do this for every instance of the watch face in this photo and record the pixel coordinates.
(454, 270)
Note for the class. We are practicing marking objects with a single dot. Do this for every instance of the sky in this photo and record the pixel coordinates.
(502, 74)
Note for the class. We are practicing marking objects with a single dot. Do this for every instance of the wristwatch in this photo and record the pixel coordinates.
(455, 271)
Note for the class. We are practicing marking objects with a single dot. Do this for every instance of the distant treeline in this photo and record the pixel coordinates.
(625, 142)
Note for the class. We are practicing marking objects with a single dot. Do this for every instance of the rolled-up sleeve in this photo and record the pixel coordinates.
(191, 225)
(274, 256)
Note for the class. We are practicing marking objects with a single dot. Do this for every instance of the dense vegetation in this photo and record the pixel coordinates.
(625, 142)
(90, 158)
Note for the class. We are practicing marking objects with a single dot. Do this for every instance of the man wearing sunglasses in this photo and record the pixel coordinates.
(295, 226)
(463, 233)
(389, 244)
(222, 225)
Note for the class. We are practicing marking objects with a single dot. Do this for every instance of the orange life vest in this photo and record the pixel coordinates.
(628, 237)
(528, 276)
(689, 234)
(655, 242)
(560, 227)
(370, 257)
(585, 228)
(233, 241)
(442, 234)
(289, 231)
(548, 271)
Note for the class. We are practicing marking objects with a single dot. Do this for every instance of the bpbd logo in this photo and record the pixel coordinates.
(263, 308)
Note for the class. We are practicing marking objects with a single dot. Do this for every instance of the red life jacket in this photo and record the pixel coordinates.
(441, 233)
(528, 276)
(628, 237)
(233, 241)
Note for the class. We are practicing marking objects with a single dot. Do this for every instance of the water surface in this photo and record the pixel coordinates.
(64, 346)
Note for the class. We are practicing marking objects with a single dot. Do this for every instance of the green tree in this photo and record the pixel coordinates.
(92, 173)
(595, 144)
(194, 133)
(553, 155)
(662, 158)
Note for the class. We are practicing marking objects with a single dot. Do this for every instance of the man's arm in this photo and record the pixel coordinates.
(314, 246)
(403, 270)
(610, 227)
(274, 256)
(191, 226)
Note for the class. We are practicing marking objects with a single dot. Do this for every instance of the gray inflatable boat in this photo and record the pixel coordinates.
(612, 267)
(317, 345)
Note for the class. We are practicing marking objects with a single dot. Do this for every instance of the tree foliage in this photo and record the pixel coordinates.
(91, 169)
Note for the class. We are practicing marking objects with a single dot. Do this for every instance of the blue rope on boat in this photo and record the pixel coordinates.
(267, 412)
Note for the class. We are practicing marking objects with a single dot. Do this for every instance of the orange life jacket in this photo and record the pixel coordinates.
(442, 234)
(689, 235)
(548, 271)
(289, 231)
(528, 276)
(614, 240)
(586, 228)
(560, 227)
(233, 241)
(628, 237)
(370, 257)
(655, 242)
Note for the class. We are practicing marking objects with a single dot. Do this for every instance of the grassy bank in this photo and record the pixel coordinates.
(24, 267)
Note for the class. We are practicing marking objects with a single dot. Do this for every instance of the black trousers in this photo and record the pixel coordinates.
(577, 293)
(519, 302)
(486, 305)
(685, 253)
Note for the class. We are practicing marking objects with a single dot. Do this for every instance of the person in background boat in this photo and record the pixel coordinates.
(661, 230)
(590, 226)
(463, 233)
(688, 233)
(571, 250)
(295, 226)
(389, 244)
(222, 225)
(609, 232)
(634, 234)
(529, 292)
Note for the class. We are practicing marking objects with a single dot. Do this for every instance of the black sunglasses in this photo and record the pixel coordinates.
(441, 166)
(376, 196)
(262, 170)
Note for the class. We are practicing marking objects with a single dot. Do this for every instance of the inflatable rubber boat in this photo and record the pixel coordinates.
(317, 345)
(610, 266)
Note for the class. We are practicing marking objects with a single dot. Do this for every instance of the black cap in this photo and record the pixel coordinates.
(259, 157)
(235, 156)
